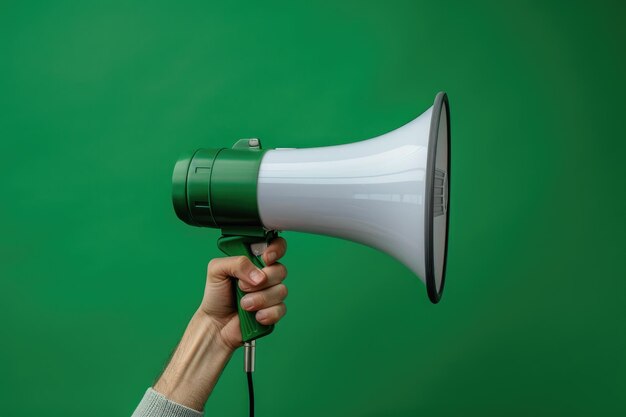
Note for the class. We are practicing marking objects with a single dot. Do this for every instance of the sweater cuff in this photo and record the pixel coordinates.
(154, 404)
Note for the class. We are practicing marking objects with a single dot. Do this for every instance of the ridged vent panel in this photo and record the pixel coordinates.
(440, 193)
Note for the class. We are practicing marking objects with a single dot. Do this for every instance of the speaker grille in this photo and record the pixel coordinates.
(440, 193)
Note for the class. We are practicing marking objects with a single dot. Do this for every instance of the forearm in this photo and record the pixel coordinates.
(196, 364)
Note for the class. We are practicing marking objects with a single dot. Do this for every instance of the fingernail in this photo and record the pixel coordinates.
(256, 276)
(260, 315)
(271, 257)
(246, 303)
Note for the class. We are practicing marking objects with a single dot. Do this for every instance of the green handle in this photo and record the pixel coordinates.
(237, 246)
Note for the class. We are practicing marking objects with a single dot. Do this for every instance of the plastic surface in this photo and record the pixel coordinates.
(372, 192)
(234, 187)
(236, 246)
(191, 190)
(438, 198)
(217, 187)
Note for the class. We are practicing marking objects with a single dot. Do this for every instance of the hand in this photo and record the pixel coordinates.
(213, 332)
(265, 289)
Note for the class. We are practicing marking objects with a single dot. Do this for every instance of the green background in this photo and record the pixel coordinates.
(99, 277)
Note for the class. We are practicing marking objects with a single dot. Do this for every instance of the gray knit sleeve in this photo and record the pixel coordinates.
(154, 404)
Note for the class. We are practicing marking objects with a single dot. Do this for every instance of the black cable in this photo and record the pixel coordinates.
(250, 393)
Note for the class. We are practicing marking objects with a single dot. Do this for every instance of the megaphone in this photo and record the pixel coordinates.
(391, 192)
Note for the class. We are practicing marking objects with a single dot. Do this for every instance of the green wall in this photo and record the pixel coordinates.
(98, 277)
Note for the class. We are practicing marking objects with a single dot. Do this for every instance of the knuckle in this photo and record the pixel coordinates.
(241, 261)
(272, 315)
(212, 265)
(266, 318)
(282, 291)
(283, 271)
(279, 312)
(278, 272)
(260, 299)
(280, 245)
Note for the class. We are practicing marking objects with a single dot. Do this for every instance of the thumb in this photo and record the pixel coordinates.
(239, 267)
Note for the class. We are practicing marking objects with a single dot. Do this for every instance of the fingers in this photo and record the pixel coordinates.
(275, 274)
(275, 250)
(259, 300)
(271, 315)
(239, 267)
(264, 287)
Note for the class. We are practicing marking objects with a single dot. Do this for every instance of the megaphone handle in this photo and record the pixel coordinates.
(237, 246)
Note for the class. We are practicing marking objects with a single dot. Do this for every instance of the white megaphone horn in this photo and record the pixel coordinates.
(391, 192)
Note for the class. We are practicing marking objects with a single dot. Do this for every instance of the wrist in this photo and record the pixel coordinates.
(196, 364)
